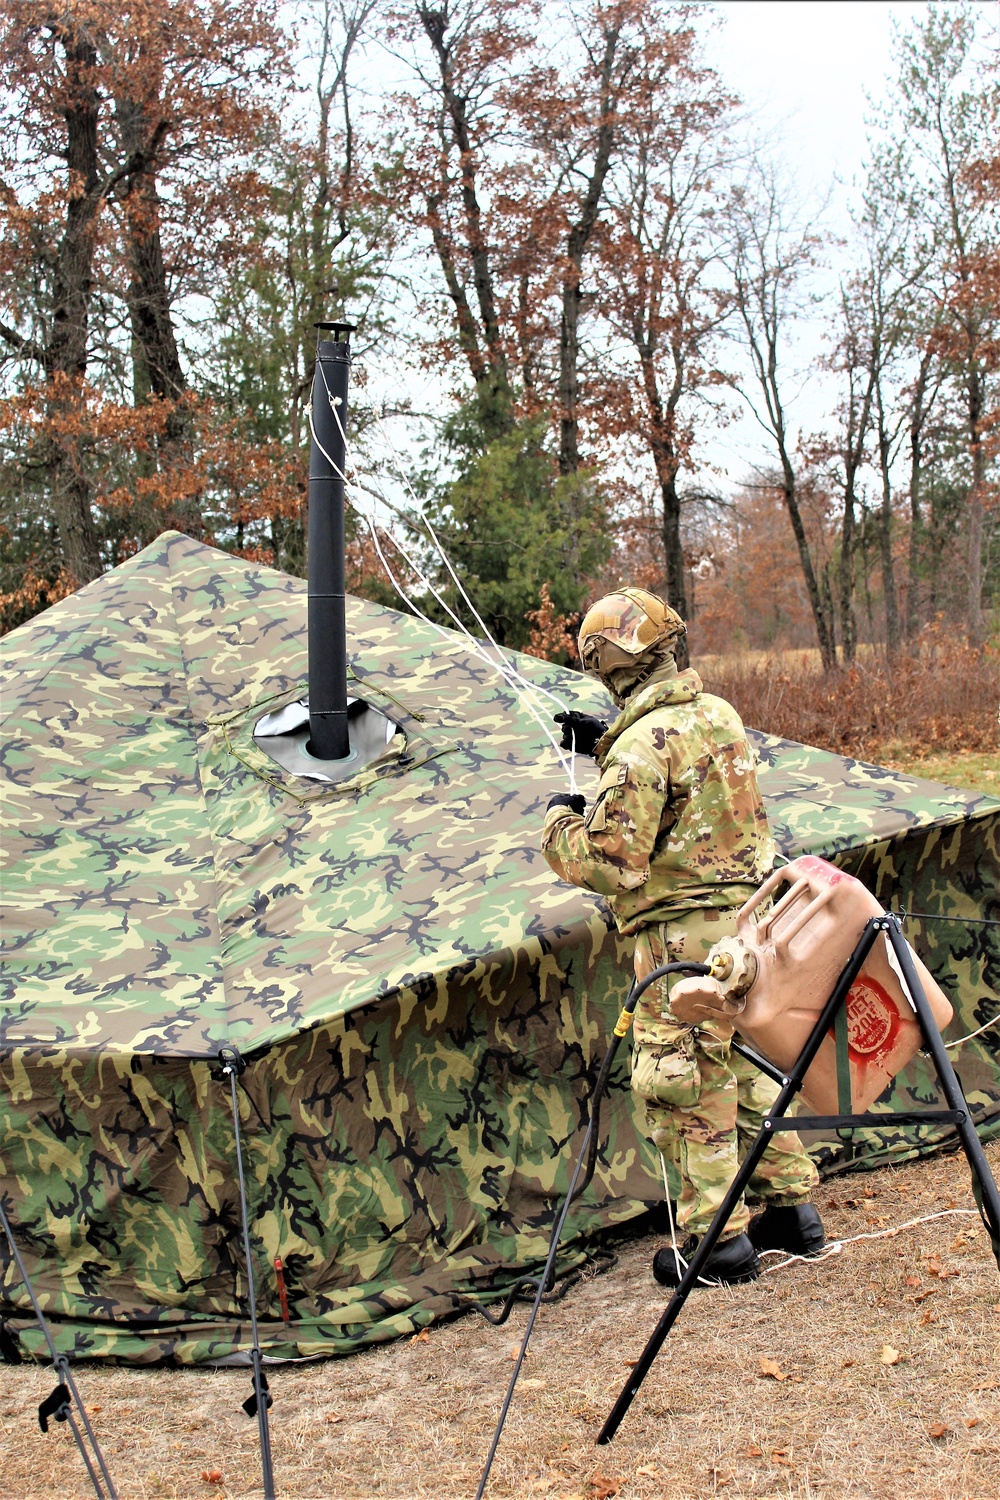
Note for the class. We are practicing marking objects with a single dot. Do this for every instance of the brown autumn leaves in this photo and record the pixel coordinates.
(554, 213)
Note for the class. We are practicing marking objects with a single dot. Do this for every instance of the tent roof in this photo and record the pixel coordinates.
(171, 889)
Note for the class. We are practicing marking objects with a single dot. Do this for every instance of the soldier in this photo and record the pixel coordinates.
(676, 840)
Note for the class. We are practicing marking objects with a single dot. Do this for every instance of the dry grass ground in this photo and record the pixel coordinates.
(415, 1418)
(938, 701)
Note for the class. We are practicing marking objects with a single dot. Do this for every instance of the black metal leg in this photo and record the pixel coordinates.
(982, 1177)
(790, 1087)
(957, 1113)
(688, 1282)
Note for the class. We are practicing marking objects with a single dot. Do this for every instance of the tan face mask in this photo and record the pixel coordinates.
(619, 670)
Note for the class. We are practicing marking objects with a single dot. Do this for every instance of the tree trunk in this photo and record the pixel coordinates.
(65, 356)
(974, 611)
(576, 246)
(845, 575)
(821, 612)
(494, 380)
(918, 419)
(885, 538)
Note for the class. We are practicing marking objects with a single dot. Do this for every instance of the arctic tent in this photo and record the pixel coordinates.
(421, 1006)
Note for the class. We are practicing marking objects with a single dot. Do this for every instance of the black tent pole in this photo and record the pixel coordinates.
(258, 1402)
(60, 1404)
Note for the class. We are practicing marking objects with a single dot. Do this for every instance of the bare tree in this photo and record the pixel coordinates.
(656, 266)
(948, 117)
(768, 254)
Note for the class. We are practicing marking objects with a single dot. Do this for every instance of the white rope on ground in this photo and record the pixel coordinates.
(510, 676)
(835, 1246)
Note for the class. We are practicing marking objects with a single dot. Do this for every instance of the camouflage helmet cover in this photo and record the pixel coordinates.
(630, 620)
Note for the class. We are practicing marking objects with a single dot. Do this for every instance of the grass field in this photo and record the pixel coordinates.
(883, 1384)
(977, 773)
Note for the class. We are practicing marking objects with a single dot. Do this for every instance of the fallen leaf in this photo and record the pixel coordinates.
(928, 1317)
(889, 1355)
(846, 1364)
(754, 1452)
(771, 1368)
(515, 1352)
(600, 1487)
(987, 1385)
(212, 1476)
(93, 1410)
(938, 1430)
(972, 1421)
(650, 1469)
(721, 1476)
(936, 1268)
(780, 1456)
(913, 1281)
(922, 1296)
(333, 1416)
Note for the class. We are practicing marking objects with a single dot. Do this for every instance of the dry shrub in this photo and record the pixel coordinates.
(942, 695)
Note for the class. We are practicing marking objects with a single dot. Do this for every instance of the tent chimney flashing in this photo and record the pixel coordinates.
(327, 736)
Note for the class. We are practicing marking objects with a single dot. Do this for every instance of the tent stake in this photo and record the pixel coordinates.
(62, 1400)
(259, 1401)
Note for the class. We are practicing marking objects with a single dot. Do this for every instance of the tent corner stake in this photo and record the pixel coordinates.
(60, 1403)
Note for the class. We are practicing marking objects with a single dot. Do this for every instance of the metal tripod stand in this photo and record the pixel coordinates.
(834, 1012)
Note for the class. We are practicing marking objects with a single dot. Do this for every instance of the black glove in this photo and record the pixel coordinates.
(575, 801)
(584, 729)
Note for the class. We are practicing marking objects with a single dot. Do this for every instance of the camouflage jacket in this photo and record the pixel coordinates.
(678, 821)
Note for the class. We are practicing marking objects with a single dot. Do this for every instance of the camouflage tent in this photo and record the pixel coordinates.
(422, 1006)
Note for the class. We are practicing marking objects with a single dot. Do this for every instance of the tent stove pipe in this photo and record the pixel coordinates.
(329, 734)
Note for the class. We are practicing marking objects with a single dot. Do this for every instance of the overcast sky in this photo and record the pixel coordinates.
(803, 68)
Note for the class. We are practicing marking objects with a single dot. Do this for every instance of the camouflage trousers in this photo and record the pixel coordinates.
(704, 1103)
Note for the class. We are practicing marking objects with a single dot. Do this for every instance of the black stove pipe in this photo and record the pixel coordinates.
(328, 730)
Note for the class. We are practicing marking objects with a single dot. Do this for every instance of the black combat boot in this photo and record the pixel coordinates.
(797, 1229)
(732, 1261)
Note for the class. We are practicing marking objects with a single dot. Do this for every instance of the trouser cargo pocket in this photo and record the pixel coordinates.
(667, 1074)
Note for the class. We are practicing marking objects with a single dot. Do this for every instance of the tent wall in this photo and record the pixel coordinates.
(401, 1160)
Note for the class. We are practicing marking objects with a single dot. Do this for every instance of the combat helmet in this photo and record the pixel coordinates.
(625, 635)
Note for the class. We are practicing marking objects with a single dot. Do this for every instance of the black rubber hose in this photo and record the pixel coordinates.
(634, 995)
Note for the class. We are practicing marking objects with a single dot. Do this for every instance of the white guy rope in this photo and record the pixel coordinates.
(835, 1246)
(506, 667)
(510, 676)
(995, 1021)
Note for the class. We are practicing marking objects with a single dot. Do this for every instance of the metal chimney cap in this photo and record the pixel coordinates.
(338, 329)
